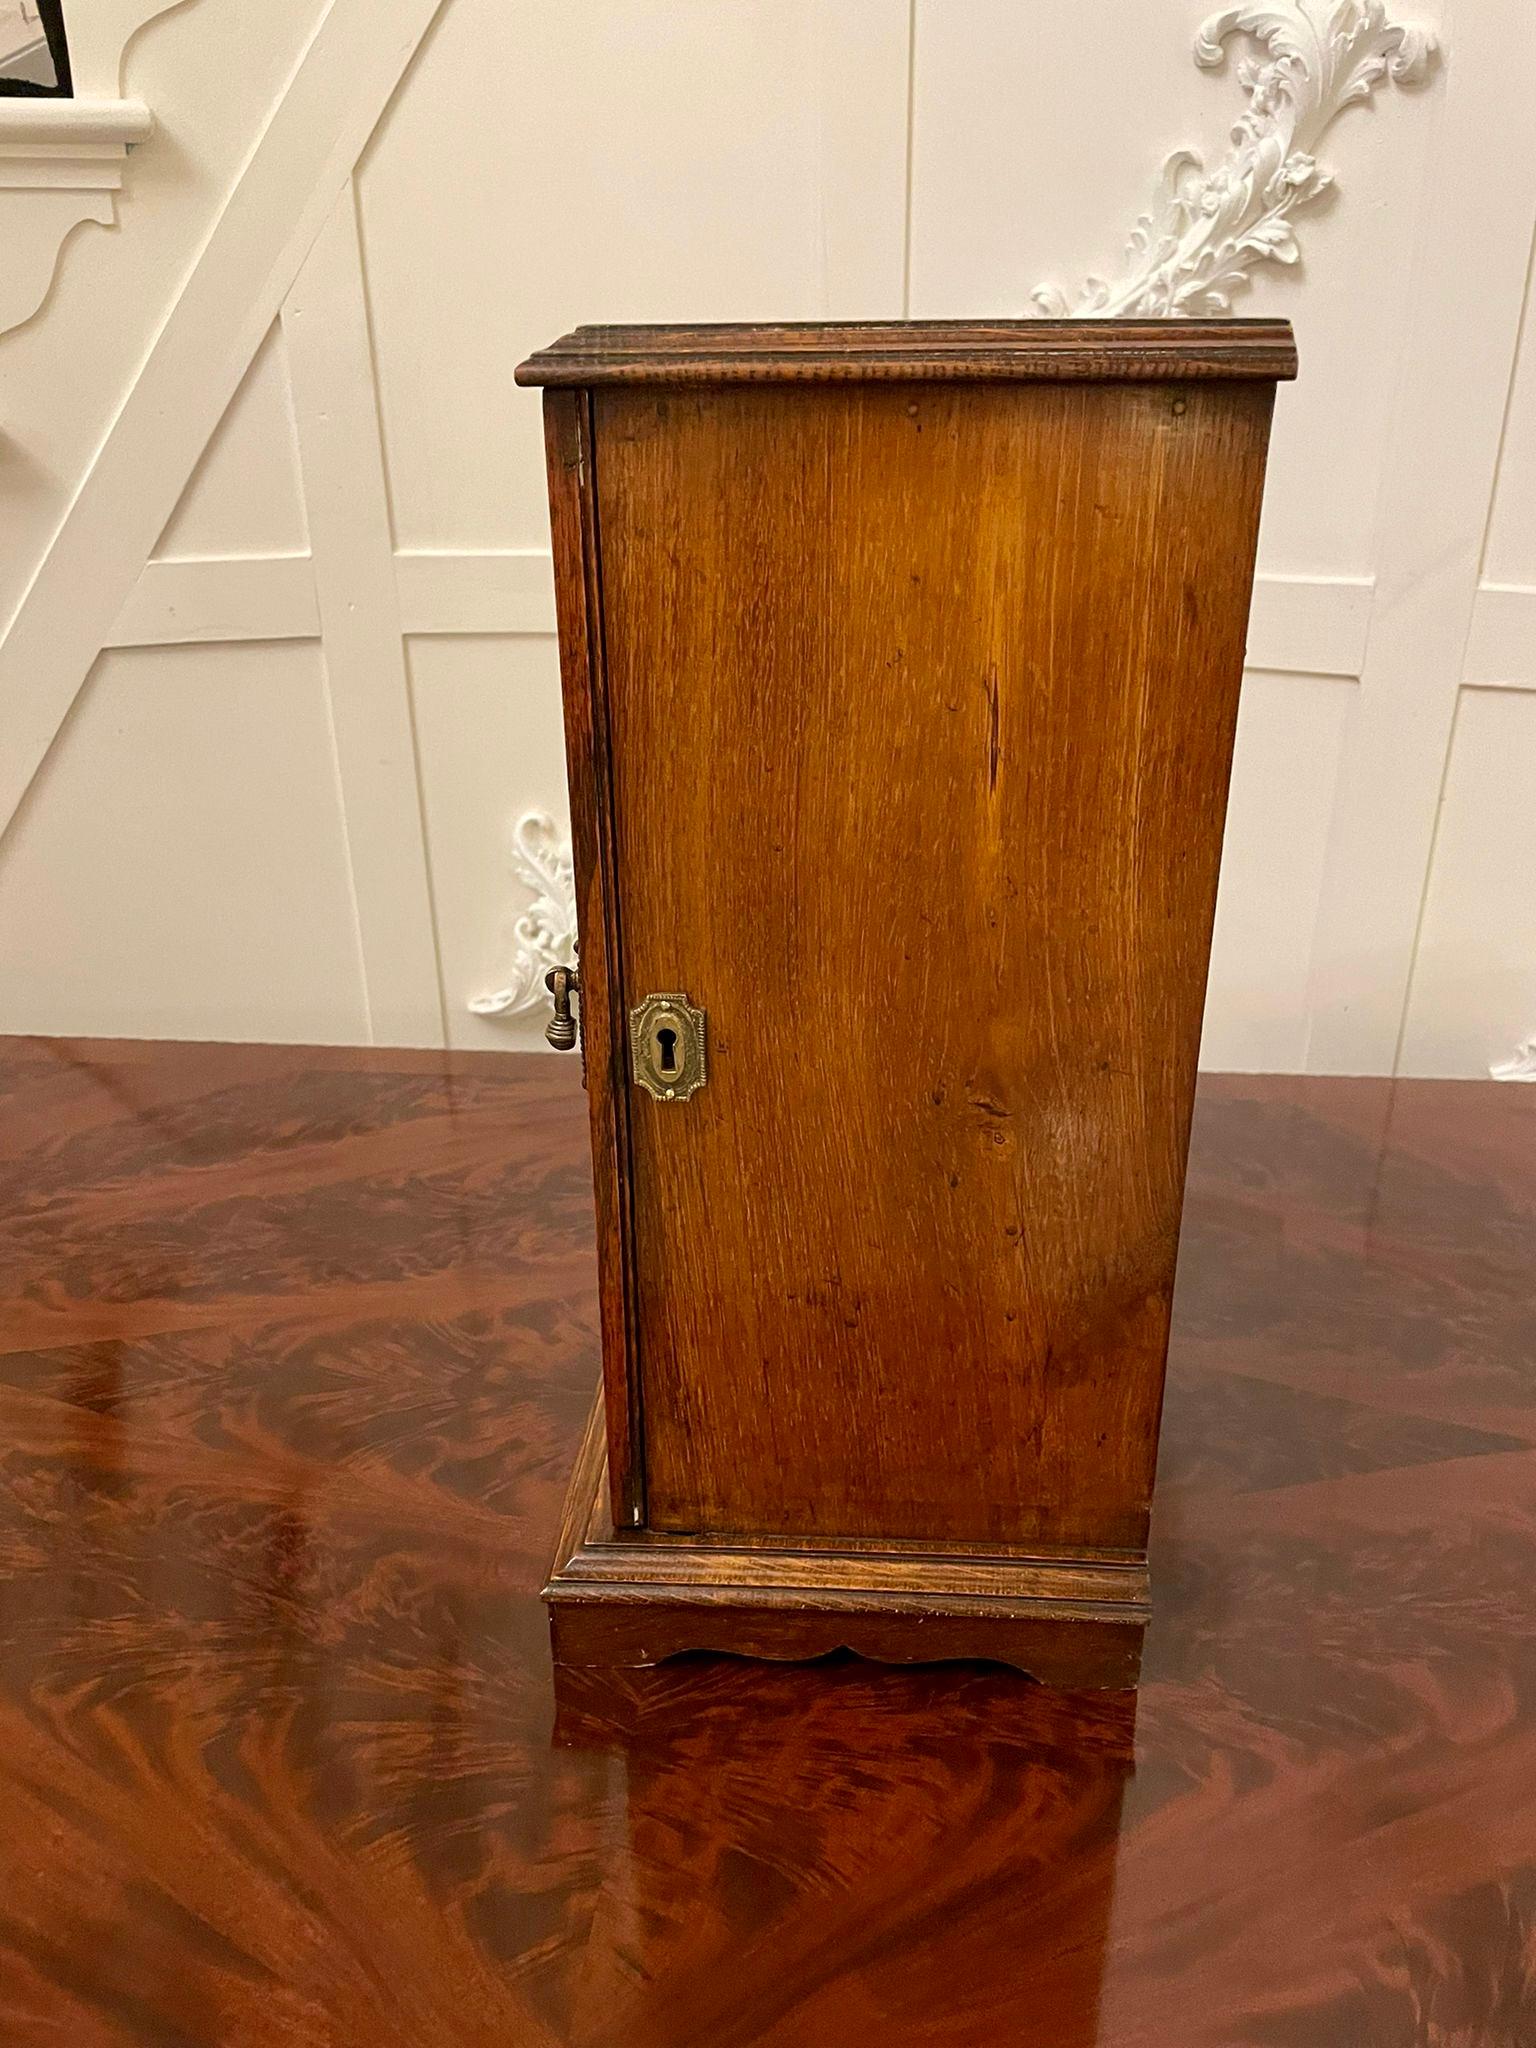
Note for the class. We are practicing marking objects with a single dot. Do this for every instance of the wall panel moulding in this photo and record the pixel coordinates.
(62, 161)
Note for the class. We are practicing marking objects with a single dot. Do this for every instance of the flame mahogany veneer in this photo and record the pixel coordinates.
(901, 668)
(298, 1347)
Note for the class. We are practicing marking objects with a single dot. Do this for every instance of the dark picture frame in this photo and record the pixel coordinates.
(51, 14)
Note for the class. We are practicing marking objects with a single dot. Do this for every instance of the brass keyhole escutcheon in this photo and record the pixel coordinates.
(667, 1048)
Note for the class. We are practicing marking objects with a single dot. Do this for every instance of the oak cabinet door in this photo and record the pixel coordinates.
(920, 702)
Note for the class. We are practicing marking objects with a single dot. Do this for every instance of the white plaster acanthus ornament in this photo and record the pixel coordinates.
(545, 935)
(1210, 227)
(1521, 1066)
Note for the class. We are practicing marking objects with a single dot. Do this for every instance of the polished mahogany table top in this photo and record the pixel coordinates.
(296, 1348)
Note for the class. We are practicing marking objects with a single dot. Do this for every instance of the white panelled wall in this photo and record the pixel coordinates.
(278, 678)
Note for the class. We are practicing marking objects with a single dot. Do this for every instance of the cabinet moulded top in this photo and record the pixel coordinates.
(980, 351)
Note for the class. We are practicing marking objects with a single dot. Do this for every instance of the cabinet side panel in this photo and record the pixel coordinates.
(922, 703)
(578, 599)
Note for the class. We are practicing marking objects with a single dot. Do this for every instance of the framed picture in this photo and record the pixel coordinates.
(34, 50)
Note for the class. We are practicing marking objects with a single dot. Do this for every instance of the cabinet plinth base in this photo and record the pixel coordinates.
(635, 1598)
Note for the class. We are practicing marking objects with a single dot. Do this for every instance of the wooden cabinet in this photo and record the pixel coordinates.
(901, 667)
